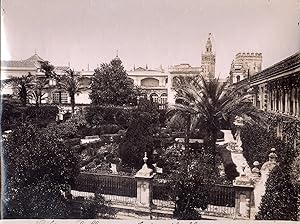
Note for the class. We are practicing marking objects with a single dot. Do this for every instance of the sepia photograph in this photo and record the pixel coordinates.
(150, 111)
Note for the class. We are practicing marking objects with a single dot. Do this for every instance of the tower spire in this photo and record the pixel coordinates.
(209, 44)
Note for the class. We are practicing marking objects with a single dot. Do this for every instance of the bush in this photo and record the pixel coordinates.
(13, 114)
(97, 208)
(257, 143)
(97, 116)
(139, 137)
(280, 199)
(38, 166)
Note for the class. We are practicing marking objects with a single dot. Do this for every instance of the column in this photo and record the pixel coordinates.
(275, 99)
(297, 100)
(293, 100)
(287, 101)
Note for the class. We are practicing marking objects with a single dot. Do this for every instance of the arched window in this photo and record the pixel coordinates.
(163, 98)
(238, 78)
(154, 97)
(149, 82)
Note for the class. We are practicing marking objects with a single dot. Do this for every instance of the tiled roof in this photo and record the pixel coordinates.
(34, 57)
(32, 62)
(26, 64)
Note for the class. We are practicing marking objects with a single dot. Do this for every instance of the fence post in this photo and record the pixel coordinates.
(243, 195)
(144, 189)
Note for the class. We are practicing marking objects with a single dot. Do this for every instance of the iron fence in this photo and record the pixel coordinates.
(106, 184)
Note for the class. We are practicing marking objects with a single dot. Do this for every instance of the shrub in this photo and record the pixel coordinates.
(97, 116)
(280, 199)
(97, 208)
(13, 114)
(38, 166)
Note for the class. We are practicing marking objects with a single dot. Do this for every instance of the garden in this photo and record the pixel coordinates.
(111, 136)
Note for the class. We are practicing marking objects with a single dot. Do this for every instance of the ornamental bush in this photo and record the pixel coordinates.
(280, 199)
(13, 114)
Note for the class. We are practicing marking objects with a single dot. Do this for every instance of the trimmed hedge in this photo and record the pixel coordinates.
(97, 116)
(13, 114)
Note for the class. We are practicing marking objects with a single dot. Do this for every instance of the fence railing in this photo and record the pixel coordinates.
(106, 184)
(123, 189)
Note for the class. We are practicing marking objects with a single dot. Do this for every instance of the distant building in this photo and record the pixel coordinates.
(207, 69)
(18, 68)
(152, 81)
(208, 59)
(244, 66)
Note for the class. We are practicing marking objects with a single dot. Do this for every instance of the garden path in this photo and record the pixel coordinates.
(237, 158)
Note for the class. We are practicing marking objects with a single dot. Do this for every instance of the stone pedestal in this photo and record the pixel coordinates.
(144, 179)
(243, 196)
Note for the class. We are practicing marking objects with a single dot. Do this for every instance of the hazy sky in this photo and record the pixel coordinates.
(152, 32)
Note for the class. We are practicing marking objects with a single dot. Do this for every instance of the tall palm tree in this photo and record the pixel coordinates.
(23, 86)
(209, 102)
(71, 82)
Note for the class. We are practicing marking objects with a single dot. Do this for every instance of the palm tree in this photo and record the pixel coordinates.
(38, 93)
(23, 86)
(70, 82)
(209, 102)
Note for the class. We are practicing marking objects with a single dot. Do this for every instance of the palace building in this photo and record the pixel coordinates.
(277, 88)
(153, 82)
(156, 83)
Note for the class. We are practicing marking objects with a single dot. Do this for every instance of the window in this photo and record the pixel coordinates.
(59, 97)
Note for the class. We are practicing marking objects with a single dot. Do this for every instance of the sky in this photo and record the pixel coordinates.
(152, 32)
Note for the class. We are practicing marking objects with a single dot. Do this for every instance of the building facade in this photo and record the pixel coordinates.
(244, 66)
(277, 88)
(52, 94)
(153, 82)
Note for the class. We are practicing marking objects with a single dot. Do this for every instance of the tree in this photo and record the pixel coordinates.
(38, 93)
(38, 166)
(23, 86)
(71, 82)
(208, 103)
(139, 137)
(190, 176)
(280, 199)
(111, 85)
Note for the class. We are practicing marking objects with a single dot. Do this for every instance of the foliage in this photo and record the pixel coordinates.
(139, 137)
(38, 89)
(38, 166)
(23, 86)
(280, 199)
(98, 116)
(97, 208)
(71, 82)
(256, 147)
(209, 103)
(111, 86)
(13, 114)
(191, 175)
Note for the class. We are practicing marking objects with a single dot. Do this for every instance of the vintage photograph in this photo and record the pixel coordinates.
(150, 110)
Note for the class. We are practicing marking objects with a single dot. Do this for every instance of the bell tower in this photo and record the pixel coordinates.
(208, 59)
